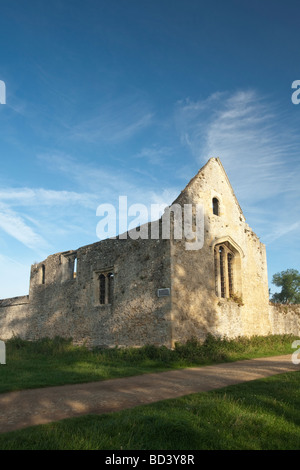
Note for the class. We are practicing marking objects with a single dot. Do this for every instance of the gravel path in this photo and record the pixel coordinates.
(38, 406)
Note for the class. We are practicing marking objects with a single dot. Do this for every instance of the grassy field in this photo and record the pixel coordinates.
(258, 415)
(57, 362)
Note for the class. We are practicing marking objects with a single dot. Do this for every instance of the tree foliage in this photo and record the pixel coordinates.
(289, 281)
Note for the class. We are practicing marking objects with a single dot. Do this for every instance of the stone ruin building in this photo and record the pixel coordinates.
(126, 292)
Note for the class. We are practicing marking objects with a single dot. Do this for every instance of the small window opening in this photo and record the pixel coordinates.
(75, 269)
(102, 289)
(110, 278)
(215, 204)
(43, 274)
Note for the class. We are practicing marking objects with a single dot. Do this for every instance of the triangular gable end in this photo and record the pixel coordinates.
(229, 184)
(200, 174)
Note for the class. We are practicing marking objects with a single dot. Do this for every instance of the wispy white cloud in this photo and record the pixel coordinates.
(259, 148)
(40, 196)
(105, 184)
(165, 198)
(40, 218)
(46, 220)
(111, 122)
(14, 277)
(109, 130)
(244, 131)
(281, 230)
(155, 155)
(97, 180)
(14, 225)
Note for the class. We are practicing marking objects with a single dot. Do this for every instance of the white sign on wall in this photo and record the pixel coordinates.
(2, 353)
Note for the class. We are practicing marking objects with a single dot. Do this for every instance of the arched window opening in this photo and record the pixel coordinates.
(227, 267)
(110, 278)
(216, 271)
(230, 274)
(68, 261)
(216, 206)
(75, 269)
(222, 272)
(102, 289)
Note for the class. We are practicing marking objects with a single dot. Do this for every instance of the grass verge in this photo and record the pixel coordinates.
(57, 361)
(259, 415)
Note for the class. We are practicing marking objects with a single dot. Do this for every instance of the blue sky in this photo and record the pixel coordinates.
(110, 98)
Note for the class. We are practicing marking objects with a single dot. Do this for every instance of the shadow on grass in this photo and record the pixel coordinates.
(51, 362)
(261, 415)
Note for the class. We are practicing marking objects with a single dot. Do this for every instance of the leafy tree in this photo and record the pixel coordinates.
(289, 281)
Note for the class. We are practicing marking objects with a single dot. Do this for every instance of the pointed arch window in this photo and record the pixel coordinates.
(226, 263)
(104, 287)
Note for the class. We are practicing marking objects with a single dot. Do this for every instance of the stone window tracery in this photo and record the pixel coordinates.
(225, 273)
(105, 287)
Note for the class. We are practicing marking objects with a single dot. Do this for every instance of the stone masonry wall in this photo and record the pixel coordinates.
(14, 317)
(285, 319)
(64, 303)
(68, 306)
(196, 308)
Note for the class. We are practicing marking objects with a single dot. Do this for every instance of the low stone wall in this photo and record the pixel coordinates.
(230, 320)
(285, 319)
(18, 319)
(14, 316)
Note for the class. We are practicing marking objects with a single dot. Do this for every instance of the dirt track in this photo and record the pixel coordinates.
(38, 406)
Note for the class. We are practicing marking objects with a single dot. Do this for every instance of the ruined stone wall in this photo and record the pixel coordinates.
(14, 317)
(61, 303)
(67, 305)
(196, 308)
(136, 316)
(285, 319)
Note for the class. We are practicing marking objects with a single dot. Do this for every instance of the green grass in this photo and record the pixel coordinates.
(259, 415)
(56, 361)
